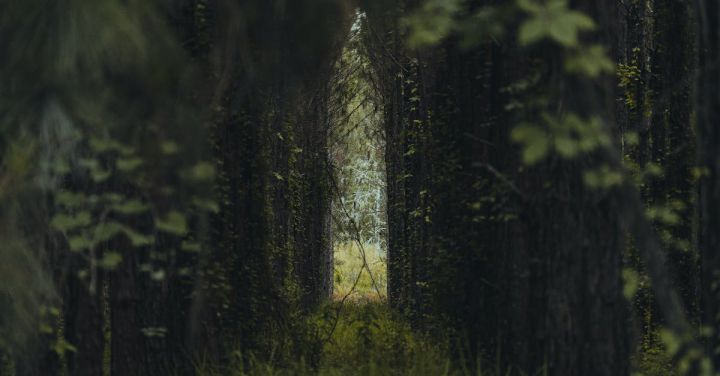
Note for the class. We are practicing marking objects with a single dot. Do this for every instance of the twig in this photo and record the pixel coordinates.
(504, 179)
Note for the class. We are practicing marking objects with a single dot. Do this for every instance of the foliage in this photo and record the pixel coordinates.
(432, 22)
(179, 178)
(552, 20)
(655, 362)
(92, 220)
(569, 136)
(357, 152)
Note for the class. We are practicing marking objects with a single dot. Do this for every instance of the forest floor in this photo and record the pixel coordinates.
(370, 340)
(370, 287)
(367, 338)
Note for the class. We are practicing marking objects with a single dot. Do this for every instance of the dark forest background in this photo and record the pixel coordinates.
(532, 187)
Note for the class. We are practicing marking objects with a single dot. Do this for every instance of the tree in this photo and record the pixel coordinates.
(708, 138)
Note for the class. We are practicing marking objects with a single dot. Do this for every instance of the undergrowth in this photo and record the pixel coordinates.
(366, 340)
(369, 340)
(652, 358)
(348, 262)
(357, 334)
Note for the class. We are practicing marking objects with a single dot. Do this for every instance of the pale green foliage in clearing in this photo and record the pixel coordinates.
(357, 153)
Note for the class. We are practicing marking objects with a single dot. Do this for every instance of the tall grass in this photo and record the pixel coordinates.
(369, 339)
(360, 336)
(366, 340)
(371, 286)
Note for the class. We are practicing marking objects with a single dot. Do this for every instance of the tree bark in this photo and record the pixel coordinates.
(708, 136)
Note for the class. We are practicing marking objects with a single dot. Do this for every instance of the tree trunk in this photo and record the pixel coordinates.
(708, 132)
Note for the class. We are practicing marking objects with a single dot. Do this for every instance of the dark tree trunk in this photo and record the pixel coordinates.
(125, 300)
(708, 129)
(672, 144)
(583, 310)
(242, 247)
(84, 327)
(312, 241)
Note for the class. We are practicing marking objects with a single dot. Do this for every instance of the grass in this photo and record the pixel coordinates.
(367, 340)
(349, 262)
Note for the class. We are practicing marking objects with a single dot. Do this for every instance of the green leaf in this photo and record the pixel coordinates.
(554, 21)
(61, 346)
(699, 172)
(663, 214)
(106, 145)
(137, 239)
(128, 164)
(672, 342)
(565, 27)
(113, 197)
(431, 22)
(130, 207)
(529, 6)
(44, 329)
(534, 141)
(555, 6)
(566, 146)
(603, 177)
(99, 176)
(157, 275)
(532, 31)
(535, 151)
(100, 145)
(206, 204)
(154, 332)
(653, 169)
(110, 260)
(66, 222)
(106, 231)
(174, 223)
(590, 62)
(78, 243)
(97, 173)
(581, 20)
(203, 171)
(190, 246)
(631, 283)
(563, 32)
(169, 148)
(631, 138)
